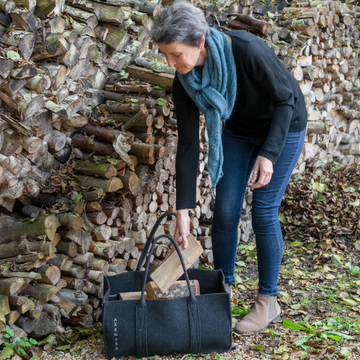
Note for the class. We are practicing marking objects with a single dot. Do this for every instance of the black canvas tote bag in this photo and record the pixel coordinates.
(187, 325)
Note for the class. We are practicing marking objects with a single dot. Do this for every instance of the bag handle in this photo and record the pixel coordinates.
(148, 241)
(182, 263)
(194, 318)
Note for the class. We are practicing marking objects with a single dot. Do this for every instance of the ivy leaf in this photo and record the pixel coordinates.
(13, 55)
(134, 100)
(76, 196)
(33, 341)
(319, 197)
(9, 330)
(348, 189)
(292, 325)
(283, 219)
(157, 87)
(357, 83)
(6, 353)
(123, 74)
(20, 350)
(269, 14)
(113, 161)
(63, 347)
(76, 352)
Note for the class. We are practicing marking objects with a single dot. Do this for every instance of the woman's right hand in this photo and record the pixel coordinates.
(182, 230)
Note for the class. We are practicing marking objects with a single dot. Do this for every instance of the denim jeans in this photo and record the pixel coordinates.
(240, 154)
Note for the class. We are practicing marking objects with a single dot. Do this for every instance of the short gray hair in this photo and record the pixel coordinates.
(180, 22)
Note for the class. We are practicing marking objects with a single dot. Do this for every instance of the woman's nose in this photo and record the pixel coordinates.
(171, 62)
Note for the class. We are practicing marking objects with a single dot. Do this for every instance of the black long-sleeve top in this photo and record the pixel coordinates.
(268, 99)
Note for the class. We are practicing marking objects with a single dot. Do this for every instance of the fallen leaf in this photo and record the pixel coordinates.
(284, 297)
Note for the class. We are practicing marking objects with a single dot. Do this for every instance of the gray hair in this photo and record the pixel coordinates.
(180, 22)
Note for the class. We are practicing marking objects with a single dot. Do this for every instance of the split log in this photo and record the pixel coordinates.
(25, 19)
(67, 247)
(135, 119)
(108, 185)
(83, 16)
(11, 286)
(71, 221)
(116, 38)
(49, 274)
(106, 171)
(80, 237)
(139, 89)
(163, 80)
(87, 143)
(106, 13)
(146, 6)
(44, 8)
(245, 22)
(55, 45)
(45, 225)
(154, 65)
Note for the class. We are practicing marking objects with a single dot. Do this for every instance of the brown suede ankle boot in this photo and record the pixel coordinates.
(266, 310)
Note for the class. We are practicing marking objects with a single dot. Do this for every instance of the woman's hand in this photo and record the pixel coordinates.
(182, 230)
(263, 170)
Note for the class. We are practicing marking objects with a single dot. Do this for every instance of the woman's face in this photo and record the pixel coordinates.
(183, 57)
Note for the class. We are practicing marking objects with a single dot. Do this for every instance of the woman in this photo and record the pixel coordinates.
(255, 117)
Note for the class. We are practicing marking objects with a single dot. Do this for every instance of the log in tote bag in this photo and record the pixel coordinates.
(141, 328)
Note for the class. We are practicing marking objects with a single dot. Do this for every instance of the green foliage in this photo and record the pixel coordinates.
(282, 219)
(160, 101)
(76, 196)
(63, 347)
(123, 74)
(319, 330)
(157, 87)
(240, 310)
(17, 344)
(74, 178)
(13, 55)
(156, 66)
(6, 353)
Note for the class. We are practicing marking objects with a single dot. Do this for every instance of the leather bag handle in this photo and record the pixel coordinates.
(148, 241)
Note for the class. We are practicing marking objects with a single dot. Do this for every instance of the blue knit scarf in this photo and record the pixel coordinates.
(214, 92)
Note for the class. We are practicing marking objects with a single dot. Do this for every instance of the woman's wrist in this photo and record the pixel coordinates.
(185, 213)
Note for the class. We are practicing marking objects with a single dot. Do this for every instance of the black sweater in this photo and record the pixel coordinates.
(268, 99)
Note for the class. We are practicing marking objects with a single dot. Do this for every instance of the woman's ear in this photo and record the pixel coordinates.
(202, 43)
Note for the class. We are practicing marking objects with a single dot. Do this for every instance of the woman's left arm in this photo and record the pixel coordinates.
(268, 71)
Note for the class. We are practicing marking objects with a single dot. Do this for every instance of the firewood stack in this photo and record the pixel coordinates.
(88, 135)
(318, 42)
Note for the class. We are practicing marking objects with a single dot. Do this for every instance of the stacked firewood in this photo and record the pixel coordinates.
(88, 135)
(87, 181)
(319, 43)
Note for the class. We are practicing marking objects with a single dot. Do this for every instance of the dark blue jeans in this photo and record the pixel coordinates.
(240, 154)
